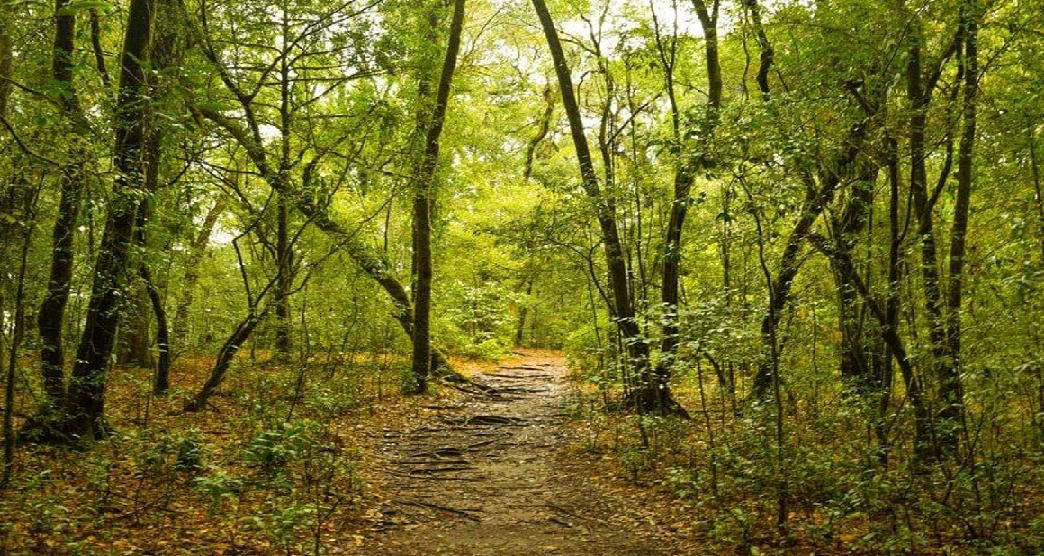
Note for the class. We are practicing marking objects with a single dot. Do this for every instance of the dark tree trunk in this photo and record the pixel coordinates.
(147, 302)
(856, 355)
(52, 310)
(161, 377)
(17, 334)
(135, 338)
(684, 176)
(224, 359)
(816, 200)
(654, 393)
(85, 406)
(425, 177)
(950, 388)
(161, 383)
(889, 334)
(920, 87)
(284, 269)
(767, 55)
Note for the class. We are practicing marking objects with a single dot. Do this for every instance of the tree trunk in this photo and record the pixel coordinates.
(816, 200)
(767, 56)
(161, 377)
(889, 334)
(523, 312)
(85, 406)
(950, 388)
(17, 334)
(425, 178)
(855, 361)
(683, 179)
(284, 269)
(224, 359)
(919, 93)
(52, 310)
(6, 59)
(135, 338)
(654, 393)
(161, 382)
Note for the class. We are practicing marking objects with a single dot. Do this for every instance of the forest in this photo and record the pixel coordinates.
(482, 277)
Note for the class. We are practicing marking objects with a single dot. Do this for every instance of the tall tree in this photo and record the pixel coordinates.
(654, 392)
(71, 185)
(85, 406)
(424, 178)
(687, 167)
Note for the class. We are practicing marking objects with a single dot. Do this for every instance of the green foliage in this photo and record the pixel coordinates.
(272, 450)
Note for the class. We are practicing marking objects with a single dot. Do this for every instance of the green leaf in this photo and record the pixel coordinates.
(82, 5)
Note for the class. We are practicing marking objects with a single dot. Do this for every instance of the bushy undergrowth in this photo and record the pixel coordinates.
(268, 468)
(842, 494)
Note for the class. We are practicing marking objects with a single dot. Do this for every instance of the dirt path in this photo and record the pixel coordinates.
(491, 475)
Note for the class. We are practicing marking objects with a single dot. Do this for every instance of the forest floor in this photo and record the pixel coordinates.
(503, 466)
(497, 472)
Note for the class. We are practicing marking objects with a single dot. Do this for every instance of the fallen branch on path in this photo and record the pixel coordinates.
(463, 512)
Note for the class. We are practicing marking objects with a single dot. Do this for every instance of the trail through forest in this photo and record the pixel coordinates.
(493, 475)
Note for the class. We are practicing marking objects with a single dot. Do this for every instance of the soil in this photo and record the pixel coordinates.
(493, 473)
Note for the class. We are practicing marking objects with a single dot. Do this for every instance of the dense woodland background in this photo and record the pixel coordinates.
(793, 251)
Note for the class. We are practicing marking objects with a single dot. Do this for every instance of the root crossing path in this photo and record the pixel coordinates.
(493, 473)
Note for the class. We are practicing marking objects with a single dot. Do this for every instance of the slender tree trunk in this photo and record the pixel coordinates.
(919, 92)
(654, 394)
(545, 127)
(855, 358)
(684, 176)
(17, 335)
(889, 333)
(817, 198)
(85, 404)
(147, 300)
(423, 193)
(284, 268)
(950, 388)
(224, 359)
(523, 313)
(767, 56)
(52, 310)
(161, 376)
(284, 254)
(6, 61)
(161, 382)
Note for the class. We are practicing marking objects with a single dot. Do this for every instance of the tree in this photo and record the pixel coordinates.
(424, 178)
(654, 392)
(85, 407)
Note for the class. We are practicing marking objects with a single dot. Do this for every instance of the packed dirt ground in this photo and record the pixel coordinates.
(494, 473)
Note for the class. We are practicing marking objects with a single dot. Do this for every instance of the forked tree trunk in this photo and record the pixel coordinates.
(85, 406)
(653, 393)
(818, 197)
